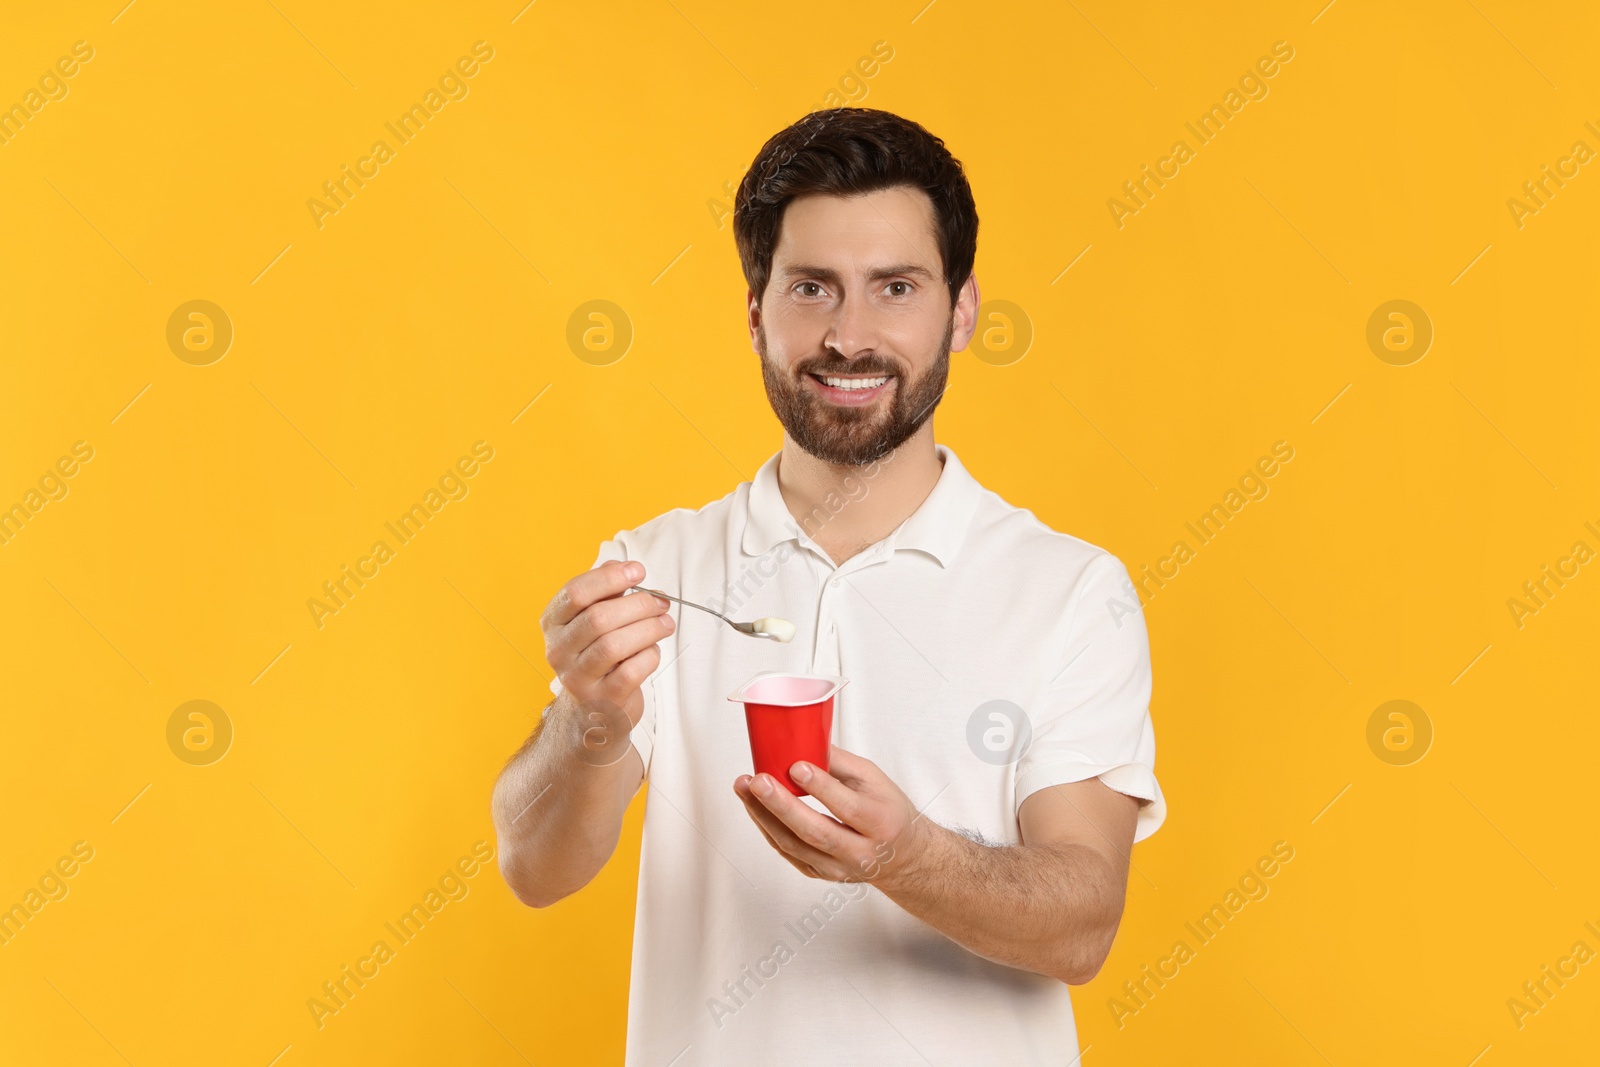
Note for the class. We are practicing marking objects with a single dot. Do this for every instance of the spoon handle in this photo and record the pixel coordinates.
(686, 603)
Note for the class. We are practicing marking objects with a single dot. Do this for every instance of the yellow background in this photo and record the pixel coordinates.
(428, 313)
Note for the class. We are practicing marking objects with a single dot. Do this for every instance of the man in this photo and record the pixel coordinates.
(965, 857)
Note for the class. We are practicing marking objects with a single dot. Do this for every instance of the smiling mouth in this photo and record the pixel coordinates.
(851, 390)
(852, 382)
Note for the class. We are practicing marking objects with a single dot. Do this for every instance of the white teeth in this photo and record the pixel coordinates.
(855, 383)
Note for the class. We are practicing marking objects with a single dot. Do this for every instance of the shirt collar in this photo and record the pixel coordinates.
(938, 527)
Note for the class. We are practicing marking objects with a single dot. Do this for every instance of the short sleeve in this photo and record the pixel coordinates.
(1093, 720)
(643, 734)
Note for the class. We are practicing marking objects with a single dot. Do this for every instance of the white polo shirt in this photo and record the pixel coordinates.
(737, 957)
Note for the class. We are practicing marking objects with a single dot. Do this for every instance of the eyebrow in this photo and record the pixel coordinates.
(799, 270)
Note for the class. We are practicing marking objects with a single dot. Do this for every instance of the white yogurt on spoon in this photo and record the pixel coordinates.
(777, 629)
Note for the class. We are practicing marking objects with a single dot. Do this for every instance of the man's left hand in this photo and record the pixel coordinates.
(876, 836)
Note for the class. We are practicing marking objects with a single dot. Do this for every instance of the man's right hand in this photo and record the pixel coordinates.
(557, 827)
(603, 644)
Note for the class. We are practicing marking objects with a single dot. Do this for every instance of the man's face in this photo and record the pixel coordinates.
(855, 328)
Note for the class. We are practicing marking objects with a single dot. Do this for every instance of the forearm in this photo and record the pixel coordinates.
(557, 816)
(1053, 910)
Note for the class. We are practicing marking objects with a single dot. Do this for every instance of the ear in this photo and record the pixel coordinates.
(752, 313)
(965, 314)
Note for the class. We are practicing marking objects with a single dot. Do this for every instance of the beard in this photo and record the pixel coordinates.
(852, 436)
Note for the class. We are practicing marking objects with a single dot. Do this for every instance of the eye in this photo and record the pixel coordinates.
(803, 288)
(904, 286)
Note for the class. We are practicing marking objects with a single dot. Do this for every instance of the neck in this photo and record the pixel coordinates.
(847, 509)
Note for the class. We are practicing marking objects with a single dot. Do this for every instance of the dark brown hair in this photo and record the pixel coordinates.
(848, 151)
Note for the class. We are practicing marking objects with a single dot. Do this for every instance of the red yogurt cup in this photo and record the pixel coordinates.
(789, 718)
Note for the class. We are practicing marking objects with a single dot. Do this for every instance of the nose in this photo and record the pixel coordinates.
(854, 329)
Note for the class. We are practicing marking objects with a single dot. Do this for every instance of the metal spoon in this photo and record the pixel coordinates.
(770, 629)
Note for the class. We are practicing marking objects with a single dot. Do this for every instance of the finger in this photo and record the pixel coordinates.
(611, 649)
(804, 868)
(851, 769)
(783, 838)
(846, 804)
(611, 614)
(607, 580)
(788, 851)
(826, 835)
(631, 673)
